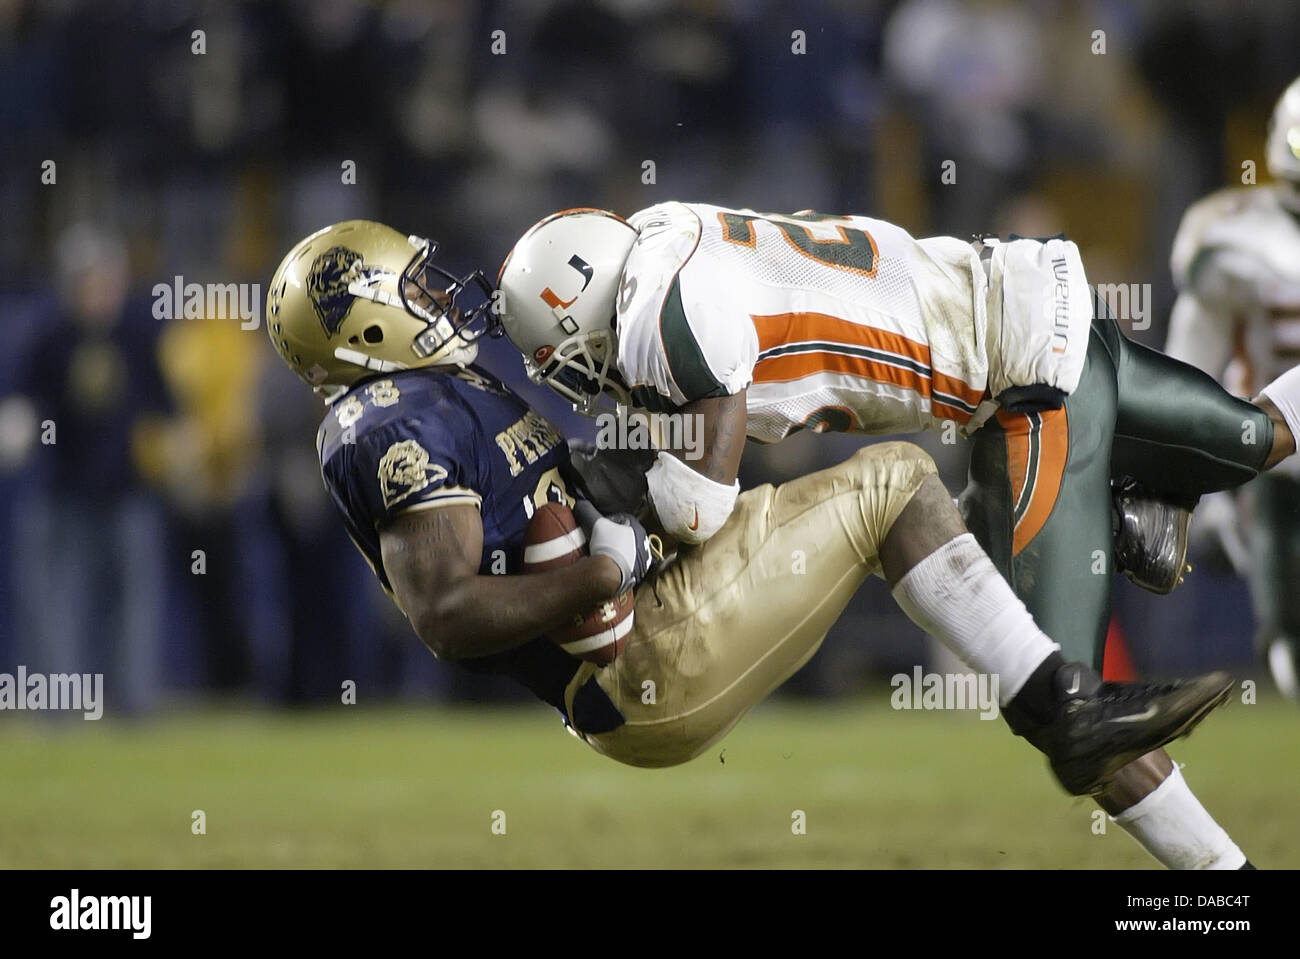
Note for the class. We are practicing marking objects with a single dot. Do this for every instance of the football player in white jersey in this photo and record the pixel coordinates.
(1236, 263)
(765, 324)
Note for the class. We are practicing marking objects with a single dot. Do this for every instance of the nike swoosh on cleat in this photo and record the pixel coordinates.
(1075, 688)
(695, 523)
(1146, 714)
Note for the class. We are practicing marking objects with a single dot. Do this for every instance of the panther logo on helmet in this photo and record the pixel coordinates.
(328, 281)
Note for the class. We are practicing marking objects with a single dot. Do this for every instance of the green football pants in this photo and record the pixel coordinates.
(1039, 496)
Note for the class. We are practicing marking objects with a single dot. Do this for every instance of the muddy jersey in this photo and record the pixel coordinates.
(841, 323)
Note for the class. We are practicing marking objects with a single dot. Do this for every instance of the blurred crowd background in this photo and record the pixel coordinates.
(161, 511)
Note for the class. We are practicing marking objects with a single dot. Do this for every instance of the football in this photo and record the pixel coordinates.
(554, 540)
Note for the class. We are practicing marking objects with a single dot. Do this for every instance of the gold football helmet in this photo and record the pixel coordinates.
(359, 298)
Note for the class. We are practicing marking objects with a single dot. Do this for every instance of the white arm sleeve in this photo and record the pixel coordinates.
(690, 506)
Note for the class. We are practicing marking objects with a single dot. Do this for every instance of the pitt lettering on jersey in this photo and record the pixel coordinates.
(530, 437)
(1061, 311)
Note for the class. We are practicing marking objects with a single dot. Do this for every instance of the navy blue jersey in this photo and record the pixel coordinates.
(423, 439)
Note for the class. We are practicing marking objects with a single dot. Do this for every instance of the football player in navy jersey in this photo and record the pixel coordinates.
(401, 449)
(405, 446)
(436, 467)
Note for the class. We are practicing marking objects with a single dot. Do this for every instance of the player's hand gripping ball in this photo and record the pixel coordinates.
(553, 540)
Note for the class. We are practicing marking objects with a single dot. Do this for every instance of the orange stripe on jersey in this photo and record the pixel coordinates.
(1036, 476)
(955, 387)
(784, 328)
(945, 411)
(779, 369)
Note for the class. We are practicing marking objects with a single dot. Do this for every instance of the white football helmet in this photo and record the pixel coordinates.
(1282, 152)
(559, 295)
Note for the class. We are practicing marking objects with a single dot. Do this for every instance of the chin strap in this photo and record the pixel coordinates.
(462, 356)
(357, 358)
(331, 394)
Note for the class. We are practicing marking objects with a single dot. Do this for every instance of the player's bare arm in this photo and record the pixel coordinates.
(692, 492)
(722, 424)
(1283, 441)
(722, 421)
(432, 560)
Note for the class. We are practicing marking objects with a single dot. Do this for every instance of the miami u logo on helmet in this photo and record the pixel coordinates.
(557, 304)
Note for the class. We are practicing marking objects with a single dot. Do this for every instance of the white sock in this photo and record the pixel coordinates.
(1285, 394)
(1174, 827)
(957, 596)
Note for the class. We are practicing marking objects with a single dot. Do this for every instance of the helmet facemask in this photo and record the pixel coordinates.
(560, 288)
(581, 369)
(456, 311)
(466, 320)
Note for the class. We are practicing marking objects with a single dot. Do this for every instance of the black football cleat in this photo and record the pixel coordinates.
(1150, 538)
(1101, 727)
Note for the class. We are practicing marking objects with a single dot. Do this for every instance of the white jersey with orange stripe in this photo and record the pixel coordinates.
(839, 323)
(1236, 263)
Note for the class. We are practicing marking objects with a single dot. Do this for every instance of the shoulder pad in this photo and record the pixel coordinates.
(374, 404)
(669, 234)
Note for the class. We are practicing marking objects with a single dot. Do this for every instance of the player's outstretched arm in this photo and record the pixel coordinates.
(1284, 443)
(432, 559)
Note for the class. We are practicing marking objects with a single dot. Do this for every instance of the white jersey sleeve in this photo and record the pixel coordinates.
(678, 339)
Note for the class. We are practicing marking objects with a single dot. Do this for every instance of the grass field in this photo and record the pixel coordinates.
(407, 787)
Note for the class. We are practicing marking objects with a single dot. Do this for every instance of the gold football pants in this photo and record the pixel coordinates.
(731, 620)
